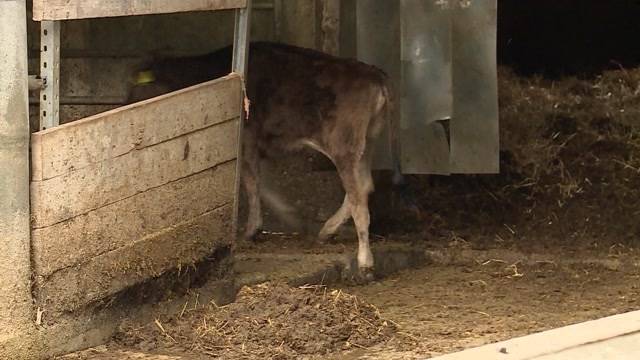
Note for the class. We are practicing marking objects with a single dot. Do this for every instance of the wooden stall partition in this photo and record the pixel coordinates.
(126, 195)
(83, 9)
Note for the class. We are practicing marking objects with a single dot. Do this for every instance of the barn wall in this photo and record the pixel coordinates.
(131, 193)
(98, 55)
(104, 196)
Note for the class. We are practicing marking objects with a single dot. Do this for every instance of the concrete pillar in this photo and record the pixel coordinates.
(16, 308)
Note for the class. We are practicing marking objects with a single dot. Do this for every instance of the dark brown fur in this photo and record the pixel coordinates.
(299, 97)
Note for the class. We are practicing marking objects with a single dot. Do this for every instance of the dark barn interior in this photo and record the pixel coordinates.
(568, 37)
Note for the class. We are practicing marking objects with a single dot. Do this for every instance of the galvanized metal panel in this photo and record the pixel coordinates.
(441, 56)
(474, 126)
(378, 43)
(426, 87)
(426, 56)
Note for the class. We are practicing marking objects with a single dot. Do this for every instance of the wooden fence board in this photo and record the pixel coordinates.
(78, 144)
(178, 246)
(82, 9)
(127, 195)
(116, 225)
(67, 196)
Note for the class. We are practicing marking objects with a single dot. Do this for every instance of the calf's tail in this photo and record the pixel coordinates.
(393, 132)
(400, 186)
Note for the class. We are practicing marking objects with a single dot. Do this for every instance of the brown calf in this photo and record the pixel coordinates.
(299, 97)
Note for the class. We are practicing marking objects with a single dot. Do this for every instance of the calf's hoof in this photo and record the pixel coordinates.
(323, 239)
(252, 236)
(365, 275)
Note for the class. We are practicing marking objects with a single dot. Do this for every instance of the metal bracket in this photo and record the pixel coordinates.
(241, 40)
(50, 74)
(241, 36)
(35, 83)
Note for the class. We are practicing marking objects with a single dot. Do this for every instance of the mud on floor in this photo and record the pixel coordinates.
(269, 320)
(445, 308)
(462, 302)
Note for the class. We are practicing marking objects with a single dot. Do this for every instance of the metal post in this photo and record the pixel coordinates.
(15, 266)
(239, 65)
(241, 39)
(50, 73)
(277, 19)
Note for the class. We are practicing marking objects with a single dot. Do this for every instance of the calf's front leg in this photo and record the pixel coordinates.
(250, 178)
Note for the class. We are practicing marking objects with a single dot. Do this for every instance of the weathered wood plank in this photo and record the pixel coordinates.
(554, 341)
(116, 132)
(82, 9)
(105, 275)
(92, 187)
(108, 228)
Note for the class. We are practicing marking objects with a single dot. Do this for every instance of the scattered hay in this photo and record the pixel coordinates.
(267, 321)
(572, 147)
(560, 135)
(569, 149)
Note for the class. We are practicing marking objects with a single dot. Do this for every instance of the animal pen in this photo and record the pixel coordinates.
(103, 206)
(113, 204)
(113, 216)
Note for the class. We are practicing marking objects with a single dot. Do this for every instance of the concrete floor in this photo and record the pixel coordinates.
(611, 338)
(616, 337)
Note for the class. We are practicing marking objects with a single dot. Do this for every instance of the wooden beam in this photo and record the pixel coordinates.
(83, 9)
(88, 164)
(111, 227)
(114, 133)
(100, 184)
(181, 245)
(330, 26)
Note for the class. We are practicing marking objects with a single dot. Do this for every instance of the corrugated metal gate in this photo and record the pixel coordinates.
(441, 55)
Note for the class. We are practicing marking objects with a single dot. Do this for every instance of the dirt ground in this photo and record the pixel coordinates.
(553, 238)
(471, 298)
(464, 298)
(473, 293)
(446, 308)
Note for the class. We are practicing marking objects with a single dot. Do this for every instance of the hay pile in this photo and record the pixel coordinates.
(267, 321)
(560, 136)
(570, 164)
(571, 151)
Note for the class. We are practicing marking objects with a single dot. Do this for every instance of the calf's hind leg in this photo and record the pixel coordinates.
(340, 217)
(358, 185)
